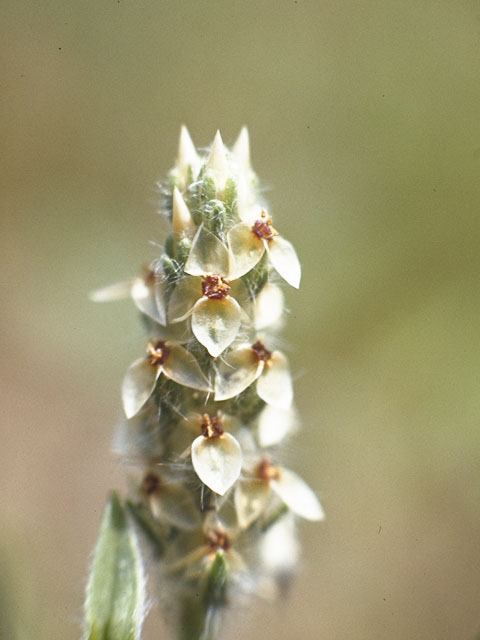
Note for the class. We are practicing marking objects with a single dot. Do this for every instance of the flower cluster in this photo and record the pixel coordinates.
(210, 400)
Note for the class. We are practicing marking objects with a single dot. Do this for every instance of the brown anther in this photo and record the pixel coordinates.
(263, 228)
(261, 353)
(266, 470)
(157, 352)
(150, 483)
(215, 287)
(211, 426)
(218, 539)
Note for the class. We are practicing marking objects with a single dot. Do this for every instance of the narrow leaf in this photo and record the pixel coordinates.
(115, 602)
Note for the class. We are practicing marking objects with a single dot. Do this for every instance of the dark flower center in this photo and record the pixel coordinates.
(218, 539)
(263, 228)
(157, 353)
(150, 484)
(215, 287)
(211, 426)
(266, 470)
(261, 353)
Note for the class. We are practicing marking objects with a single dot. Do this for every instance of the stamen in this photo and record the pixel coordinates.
(266, 470)
(157, 353)
(218, 539)
(211, 426)
(263, 228)
(215, 287)
(261, 353)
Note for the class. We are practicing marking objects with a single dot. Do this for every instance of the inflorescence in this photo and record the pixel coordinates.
(210, 400)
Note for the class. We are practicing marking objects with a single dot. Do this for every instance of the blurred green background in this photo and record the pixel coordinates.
(364, 121)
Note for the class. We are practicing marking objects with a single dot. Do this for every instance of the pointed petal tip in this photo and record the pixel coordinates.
(181, 220)
(217, 159)
(187, 154)
(185, 137)
(241, 148)
(217, 138)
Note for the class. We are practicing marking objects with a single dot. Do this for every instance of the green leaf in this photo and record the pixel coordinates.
(115, 602)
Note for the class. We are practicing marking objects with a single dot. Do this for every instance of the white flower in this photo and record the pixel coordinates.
(275, 424)
(269, 307)
(216, 455)
(247, 363)
(279, 548)
(147, 292)
(165, 357)
(249, 241)
(208, 296)
(252, 494)
(218, 541)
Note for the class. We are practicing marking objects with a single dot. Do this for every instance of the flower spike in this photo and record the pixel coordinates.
(210, 403)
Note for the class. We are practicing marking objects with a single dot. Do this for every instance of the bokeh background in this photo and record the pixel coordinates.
(364, 121)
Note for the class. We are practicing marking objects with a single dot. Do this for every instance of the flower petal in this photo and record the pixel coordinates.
(145, 297)
(251, 497)
(178, 332)
(174, 503)
(207, 255)
(215, 323)
(116, 291)
(297, 495)
(269, 307)
(217, 461)
(239, 291)
(159, 292)
(284, 260)
(236, 372)
(183, 297)
(246, 250)
(182, 367)
(279, 548)
(274, 424)
(139, 436)
(275, 384)
(138, 385)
